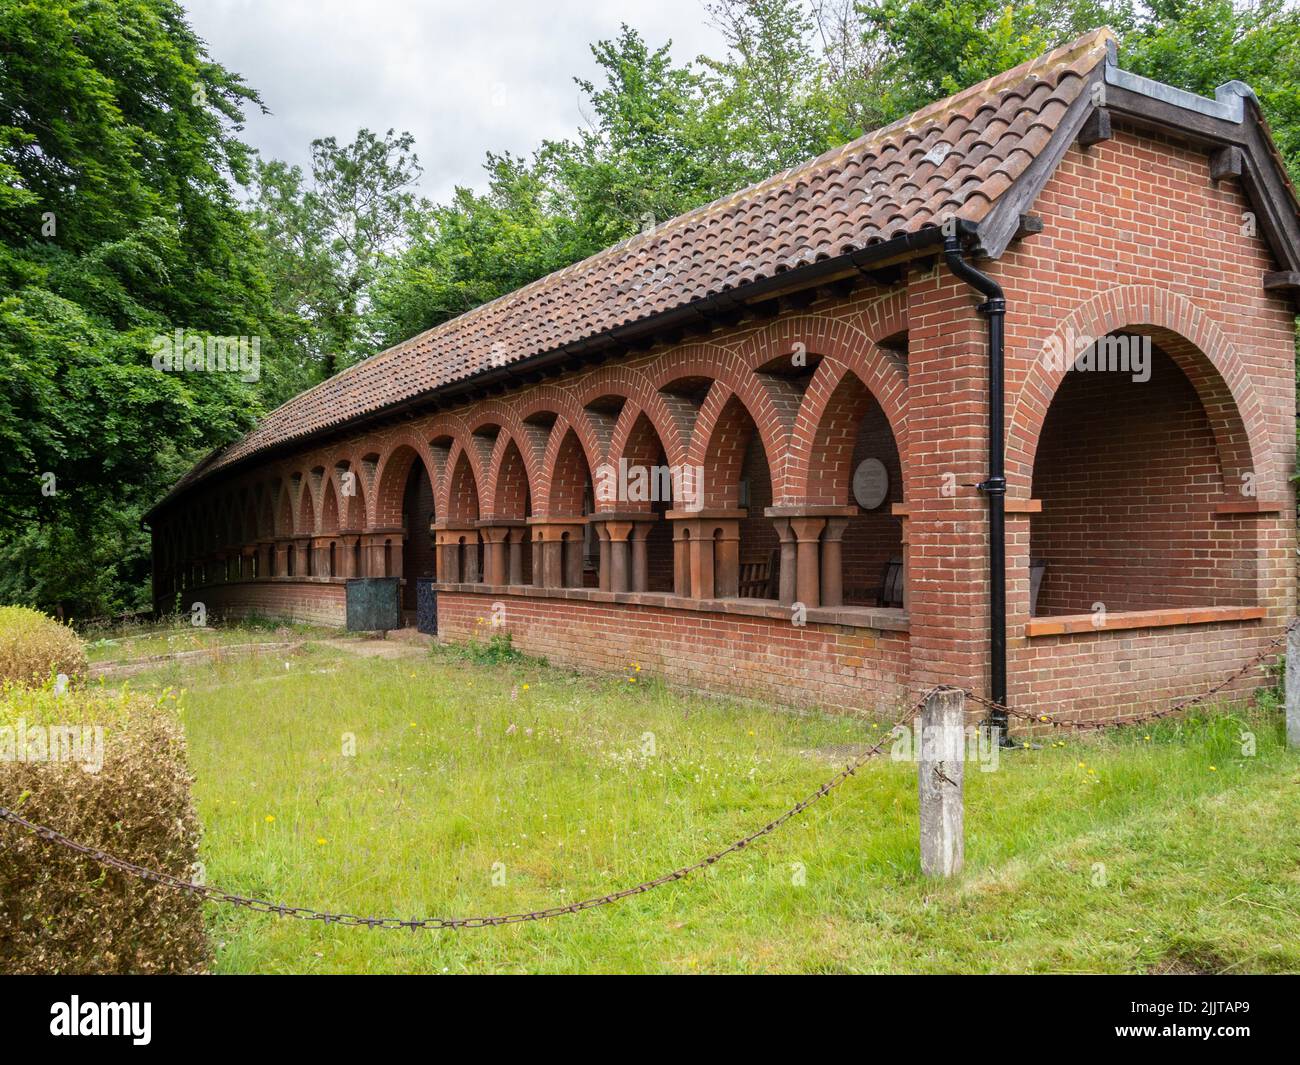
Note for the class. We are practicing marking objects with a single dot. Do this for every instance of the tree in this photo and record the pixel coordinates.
(118, 226)
(324, 241)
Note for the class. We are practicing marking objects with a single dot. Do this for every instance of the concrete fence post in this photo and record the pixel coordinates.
(940, 776)
(1293, 687)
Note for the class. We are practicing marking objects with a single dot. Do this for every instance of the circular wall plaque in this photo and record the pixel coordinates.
(870, 483)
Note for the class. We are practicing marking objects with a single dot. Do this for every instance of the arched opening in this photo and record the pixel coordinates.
(462, 564)
(645, 485)
(329, 527)
(737, 474)
(572, 497)
(1130, 471)
(514, 503)
(417, 532)
(855, 463)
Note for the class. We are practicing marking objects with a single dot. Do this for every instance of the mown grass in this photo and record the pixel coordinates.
(1164, 848)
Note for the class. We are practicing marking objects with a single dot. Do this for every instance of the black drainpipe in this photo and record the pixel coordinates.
(994, 308)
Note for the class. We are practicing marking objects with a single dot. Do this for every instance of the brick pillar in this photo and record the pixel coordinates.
(947, 449)
(283, 547)
(706, 552)
(561, 543)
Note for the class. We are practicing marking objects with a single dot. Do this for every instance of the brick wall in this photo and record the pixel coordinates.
(1136, 237)
(859, 671)
(319, 601)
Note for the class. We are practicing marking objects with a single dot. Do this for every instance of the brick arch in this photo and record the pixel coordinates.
(305, 516)
(284, 519)
(391, 476)
(1198, 347)
(718, 417)
(881, 370)
(566, 469)
(461, 502)
(886, 316)
(510, 479)
(563, 403)
(668, 427)
(530, 439)
(834, 394)
(672, 423)
(265, 512)
(772, 402)
(329, 510)
(724, 421)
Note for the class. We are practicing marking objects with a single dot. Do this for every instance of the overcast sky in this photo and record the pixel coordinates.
(463, 77)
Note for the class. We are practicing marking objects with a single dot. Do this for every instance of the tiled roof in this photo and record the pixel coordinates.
(956, 156)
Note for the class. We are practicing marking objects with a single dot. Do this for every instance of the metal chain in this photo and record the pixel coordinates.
(212, 894)
(1137, 719)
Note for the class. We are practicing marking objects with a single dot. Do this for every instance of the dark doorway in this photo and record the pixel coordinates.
(417, 539)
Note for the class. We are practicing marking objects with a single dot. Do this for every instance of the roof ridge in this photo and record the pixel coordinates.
(1079, 46)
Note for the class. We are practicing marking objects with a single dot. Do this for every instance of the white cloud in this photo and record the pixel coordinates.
(464, 78)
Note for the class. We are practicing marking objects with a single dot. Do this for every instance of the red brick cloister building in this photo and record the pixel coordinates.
(806, 354)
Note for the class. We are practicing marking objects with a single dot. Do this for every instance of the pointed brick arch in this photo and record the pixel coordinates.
(720, 418)
(509, 485)
(461, 501)
(567, 470)
(838, 397)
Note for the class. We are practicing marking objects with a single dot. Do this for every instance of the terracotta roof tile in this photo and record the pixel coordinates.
(957, 155)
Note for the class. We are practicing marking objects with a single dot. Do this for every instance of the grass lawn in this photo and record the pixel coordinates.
(481, 787)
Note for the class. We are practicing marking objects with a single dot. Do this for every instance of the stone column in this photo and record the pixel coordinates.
(706, 552)
(265, 555)
(302, 556)
(344, 555)
(808, 586)
(812, 560)
(561, 542)
(640, 555)
(456, 546)
(833, 561)
(515, 556)
(496, 550)
(283, 548)
(373, 544)
(624, 564)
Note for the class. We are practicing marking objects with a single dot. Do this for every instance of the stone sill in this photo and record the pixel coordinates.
(1067, 624)
(858, 617)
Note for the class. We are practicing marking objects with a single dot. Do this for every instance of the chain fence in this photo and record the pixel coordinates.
(212, 894)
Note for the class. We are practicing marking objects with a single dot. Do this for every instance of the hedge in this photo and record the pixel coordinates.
(34, 647)
(61, 912)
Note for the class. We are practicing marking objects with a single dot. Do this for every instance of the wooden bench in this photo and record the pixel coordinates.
(758, 580)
